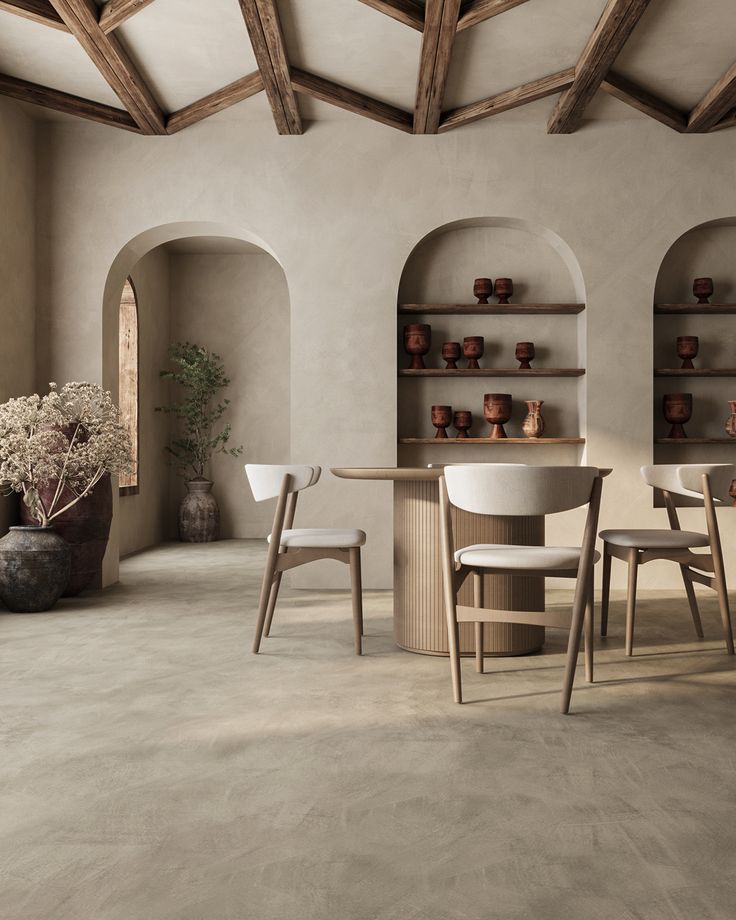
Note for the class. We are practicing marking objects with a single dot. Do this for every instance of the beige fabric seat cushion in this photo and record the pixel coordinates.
(322, 538)
(500, 556)
(654, 539)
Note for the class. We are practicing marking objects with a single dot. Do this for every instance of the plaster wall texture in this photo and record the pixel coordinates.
(17, 254)
(343, 210)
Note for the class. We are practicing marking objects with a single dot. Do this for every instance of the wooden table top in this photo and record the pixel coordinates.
(387, 473)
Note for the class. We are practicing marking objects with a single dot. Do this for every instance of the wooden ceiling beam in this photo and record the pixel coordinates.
(262, 21)
(509, 99)
(409, 12)
(618, 20)
(112, 61)
(475, 11)
(215, 102)
(728, 122)
(440, 28)
(115, 12)
(36, 10)
(715, 105)
(643, 101)
(64, 102)
(310, 84)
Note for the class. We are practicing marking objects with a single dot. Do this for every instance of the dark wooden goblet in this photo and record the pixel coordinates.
(504, 289)
(462, 420)
(451, 351)
(473, 347)
(677, 409)
(417, 339)
(482, 289)
(497, 411)
(441, 418)
(703, 289)
(524, 354)
(687, 349)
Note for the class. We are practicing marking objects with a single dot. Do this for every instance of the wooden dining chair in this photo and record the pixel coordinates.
(289, 547)
(520, 491)
(709, 482)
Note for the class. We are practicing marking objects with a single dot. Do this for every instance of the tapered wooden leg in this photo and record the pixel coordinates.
(720, 584)
(606, 590)
(478, 602)
(357, 589)
(573, 644)
(692, 600)
(631, 601)
(589, 634)
(273, 597)
(453, 639)
(266, 591)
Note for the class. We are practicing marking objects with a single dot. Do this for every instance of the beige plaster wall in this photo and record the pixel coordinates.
(17, 254)
(237, 305)
(144, 518)
(343, 207)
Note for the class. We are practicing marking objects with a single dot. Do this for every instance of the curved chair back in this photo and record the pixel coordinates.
(266, 479)
(687, 478)
(519, 490)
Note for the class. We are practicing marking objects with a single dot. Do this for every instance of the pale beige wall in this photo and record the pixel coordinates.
(342, 207)
(144, 517)
(17, 255)
(237, 305)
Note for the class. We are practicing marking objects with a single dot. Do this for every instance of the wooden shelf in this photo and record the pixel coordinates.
(702, 309)
(695, 372)
(496, 442)
(685, 441)
(495, 372)
(491, 309)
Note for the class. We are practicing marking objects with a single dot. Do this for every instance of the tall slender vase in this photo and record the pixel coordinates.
(731, 420)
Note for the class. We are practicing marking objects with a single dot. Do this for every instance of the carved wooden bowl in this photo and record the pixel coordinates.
(687, 349)
(524, 354)
(703, 289)
(482, 289)
(504, 289)
(441, 418)
(497, 411)
(473, 347)
(451, 351)
(463, 421)
(677, 409)
(417, 340)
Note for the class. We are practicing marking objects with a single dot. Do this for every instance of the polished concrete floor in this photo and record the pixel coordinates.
(152, 768)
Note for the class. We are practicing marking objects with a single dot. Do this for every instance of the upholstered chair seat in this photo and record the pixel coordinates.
(540, 558)
(655, 539)
(322, 538)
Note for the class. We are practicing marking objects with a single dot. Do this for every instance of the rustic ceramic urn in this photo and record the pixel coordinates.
(199, 514)
(731, 420)
(533, 424)
(35, 567)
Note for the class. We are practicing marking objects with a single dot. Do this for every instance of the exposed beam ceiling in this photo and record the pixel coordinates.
(409, 12)
(643, 101)
(221, 99)
(262, 21)
(476, 11)
(440, 27)
(715, 105)
(115, 12)
(35, 10)
(617, 22)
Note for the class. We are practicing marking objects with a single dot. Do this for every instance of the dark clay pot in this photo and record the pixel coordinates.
(35, 567)
(86, 528)
(199, 515)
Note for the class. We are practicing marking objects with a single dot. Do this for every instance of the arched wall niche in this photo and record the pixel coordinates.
(223, 287)
(441, 268)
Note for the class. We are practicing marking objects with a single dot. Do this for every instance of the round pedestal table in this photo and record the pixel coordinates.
(419, 613)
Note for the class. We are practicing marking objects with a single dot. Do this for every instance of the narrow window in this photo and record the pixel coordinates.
(128, 368)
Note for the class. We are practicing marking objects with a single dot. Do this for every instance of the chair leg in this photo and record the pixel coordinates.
(478, 602)
(692, 600)
(266, 592)
(357, 591)
(573, 643)
(631, 601)
(273, 597)
(589, 634)
(606, 590)
(722, 590)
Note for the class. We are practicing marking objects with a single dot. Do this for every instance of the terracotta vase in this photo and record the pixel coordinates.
(451, 351)
(483, 289)
(533, 424)
(473, 347)
(417, 340)
(35, 566)
(86, 528)
(677, 409)
(463, 421)
(525, 353)
(497, 411)
(199, 514)
(441, 418)
(504, 289)
(703, 289)
(687, 349)
(731, 420)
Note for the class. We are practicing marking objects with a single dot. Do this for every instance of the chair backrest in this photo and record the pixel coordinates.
(266, 479)
(687, 478)
(508, 490)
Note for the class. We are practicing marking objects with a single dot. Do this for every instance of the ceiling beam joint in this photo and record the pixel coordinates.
(440, 28)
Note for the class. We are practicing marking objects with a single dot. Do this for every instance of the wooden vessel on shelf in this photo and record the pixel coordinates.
(500, 442)
(494, 308)
(495, 372)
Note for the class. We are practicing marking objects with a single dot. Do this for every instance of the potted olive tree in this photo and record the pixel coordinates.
(200, 375)
(54, 450)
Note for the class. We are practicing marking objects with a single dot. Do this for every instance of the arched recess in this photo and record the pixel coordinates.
(441, 269)
(220, 286)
